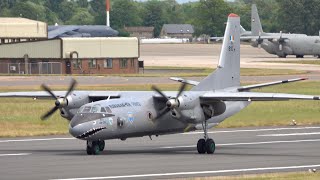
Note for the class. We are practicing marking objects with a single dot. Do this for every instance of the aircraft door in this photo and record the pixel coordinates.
(68, 67)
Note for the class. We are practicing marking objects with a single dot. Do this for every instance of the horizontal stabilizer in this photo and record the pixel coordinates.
(255, 86)
(194, 83)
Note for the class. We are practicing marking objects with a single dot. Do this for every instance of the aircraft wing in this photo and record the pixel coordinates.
(253, 96)
(61, 30)
(95, 95)
(255, 86)
(270, 38)
(32, 94)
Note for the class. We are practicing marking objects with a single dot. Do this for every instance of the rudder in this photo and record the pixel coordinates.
(227, 73)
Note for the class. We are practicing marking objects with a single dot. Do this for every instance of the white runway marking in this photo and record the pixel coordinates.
(248, 143)
(253, 130)
(291, 134)
(189, 133)
(19, 154)
(30, 140)
(196, 172)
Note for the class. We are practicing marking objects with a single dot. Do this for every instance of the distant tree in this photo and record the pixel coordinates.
(68, 9)
(211, 16)
(299, 16)
(154, 15)
(83, 3)
(125, 13)
(81, 17)
(29, 10)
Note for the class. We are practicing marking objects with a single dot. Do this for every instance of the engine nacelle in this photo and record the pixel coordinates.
(74, 102)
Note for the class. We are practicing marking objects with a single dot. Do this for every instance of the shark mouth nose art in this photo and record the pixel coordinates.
(91, 132)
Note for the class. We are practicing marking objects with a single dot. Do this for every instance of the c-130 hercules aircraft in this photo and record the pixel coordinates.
(96, 116)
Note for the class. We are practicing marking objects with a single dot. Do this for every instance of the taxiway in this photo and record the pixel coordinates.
(239, 151)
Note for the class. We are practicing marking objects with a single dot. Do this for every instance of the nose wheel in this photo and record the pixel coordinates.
(95, 147)
(206, 145)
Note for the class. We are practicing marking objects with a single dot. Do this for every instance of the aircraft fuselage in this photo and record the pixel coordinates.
(133, 115)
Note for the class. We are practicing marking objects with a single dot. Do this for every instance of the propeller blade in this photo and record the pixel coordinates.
(182, 88)
(159, 92)
(259, 46)
(162, 112)
(47, 89)
(71, 88)
(49, 113)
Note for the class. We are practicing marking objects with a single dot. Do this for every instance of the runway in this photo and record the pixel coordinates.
(239, 151)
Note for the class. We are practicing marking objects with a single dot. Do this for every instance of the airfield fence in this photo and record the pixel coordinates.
(31, 68)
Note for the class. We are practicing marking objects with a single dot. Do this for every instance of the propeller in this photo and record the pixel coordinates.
(60, 102)
(172, 104)
(259, 40)
(280, 41)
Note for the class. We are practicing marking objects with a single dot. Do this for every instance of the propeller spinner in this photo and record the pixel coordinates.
(172, 104)
(60, 102)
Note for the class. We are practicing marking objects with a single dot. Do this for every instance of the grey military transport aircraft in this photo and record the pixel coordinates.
(281, 44)
(81, 31)
(96, 116)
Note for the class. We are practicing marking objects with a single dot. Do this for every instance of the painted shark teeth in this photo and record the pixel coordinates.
(91, 132)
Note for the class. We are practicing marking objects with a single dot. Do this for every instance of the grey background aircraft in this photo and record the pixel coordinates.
(96, 116)
(81, 31)
(281, 44)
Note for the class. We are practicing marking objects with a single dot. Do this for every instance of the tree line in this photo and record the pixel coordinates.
(207, 16)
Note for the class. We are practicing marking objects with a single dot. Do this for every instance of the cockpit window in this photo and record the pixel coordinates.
(108, 110)
(86, 109)
(103, 110)
(80, 109)
(95, 109)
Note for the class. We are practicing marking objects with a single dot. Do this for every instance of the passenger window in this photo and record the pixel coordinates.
(86, 109)
(108, 110)
(95, 109)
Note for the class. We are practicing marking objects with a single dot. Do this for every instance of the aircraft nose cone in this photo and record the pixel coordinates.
(76, 130)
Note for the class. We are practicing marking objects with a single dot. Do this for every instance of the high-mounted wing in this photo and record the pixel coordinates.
(253, 96)
(270, 38)
(93, 95)
(255, 86)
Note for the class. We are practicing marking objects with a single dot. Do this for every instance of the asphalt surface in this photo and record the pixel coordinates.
(239, 151)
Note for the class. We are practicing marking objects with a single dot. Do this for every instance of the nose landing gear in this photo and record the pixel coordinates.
(95, 147)
(206, 145)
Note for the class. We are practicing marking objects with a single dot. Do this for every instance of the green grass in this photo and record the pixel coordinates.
(270, 176)
(199, 72)
(280, 112)
(20, 117)
(314, 62)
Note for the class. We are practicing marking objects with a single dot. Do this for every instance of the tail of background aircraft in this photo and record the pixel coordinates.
(242, 30)
(256, 28)
(228, 72)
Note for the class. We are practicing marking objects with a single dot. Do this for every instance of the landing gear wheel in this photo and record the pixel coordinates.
(89, 150)
(210, 146)
(299, 56)
(201, 146)
(101, 145)
(93, 148)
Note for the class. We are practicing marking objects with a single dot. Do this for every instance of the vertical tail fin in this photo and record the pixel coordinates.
(228, 72)
(256, 28)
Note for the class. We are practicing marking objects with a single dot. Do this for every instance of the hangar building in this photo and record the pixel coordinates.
(25, 49)
(114, 55)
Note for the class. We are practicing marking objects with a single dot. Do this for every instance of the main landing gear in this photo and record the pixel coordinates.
(95, 147)
(206, 145)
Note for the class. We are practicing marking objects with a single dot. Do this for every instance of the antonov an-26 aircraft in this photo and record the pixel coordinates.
(96, 116)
